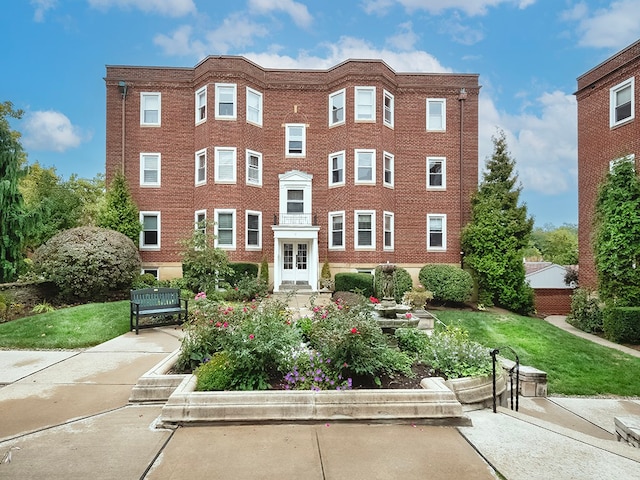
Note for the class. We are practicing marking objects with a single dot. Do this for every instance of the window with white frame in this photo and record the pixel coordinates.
(254, 106)
(225, 228)
(295, 201)
(201, 167)
(254, 230)
(295, 139)
(436, 114)
(225, 168)
(365, 166)
(336, 169)
(150, 234)
(622, 108)
(336, 230)
(201, 105)
(365, 229)
(226, 101)
(365, 104)
(336, 108)
(436, 173)
(627, 158)
(388, 230)
(150, 169)
(387, 175)
(200, 221)
(254, 168)
(150, 112)
(151, 271)
(388, 114)
(436, 232)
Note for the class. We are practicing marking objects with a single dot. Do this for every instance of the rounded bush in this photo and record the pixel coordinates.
(448, 283)
(402, 283)
(88, 262)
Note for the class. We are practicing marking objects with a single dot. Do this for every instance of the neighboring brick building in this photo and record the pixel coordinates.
(357, 164)
(607, 131)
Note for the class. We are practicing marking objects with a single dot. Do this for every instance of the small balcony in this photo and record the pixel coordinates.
(295, 219)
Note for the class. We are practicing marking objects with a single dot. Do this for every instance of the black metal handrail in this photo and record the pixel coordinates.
(515, 367)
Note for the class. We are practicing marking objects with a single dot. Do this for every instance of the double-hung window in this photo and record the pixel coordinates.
(387, 176)
(388, 113)
(201, 167)
(365, 104)
(254, 107)
(150, 108)
(336, 169)
(436, 232)
(295, 139)
(336, 230)
(388, 230)
(336, 108)
(365, 229)
(201, 105)
(225, 228)
(622, 107)
(150, 169)
(150, 234)
(226, 101)
(254, 230)
(436, 173)
(365, 166)
(436, 114)
(225, 164)
(200, 219)
(254, 168)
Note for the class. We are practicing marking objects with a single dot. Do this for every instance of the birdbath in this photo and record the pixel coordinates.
(387, 307)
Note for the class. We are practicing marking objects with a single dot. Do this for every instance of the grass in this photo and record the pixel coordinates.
(68, 328)
(574, 366)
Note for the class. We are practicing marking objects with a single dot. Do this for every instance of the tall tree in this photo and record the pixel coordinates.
(14, 222)
(120, 213)
(617, 230)
(499, 231)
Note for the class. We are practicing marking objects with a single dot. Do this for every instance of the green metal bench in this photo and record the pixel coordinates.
(157, 302)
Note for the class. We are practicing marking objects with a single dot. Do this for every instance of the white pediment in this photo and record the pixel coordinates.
(295, 176)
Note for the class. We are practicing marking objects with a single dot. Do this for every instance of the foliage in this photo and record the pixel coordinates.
(247, 288)
(499, 231)
(402, 282)
(144, 280)
(326, 281)
(586, 311)
(448, 283)
(239, 270)
(412, 341)
(15, 224)
(622, 324)
(88, 262)
(361, 283)
(214, 374)
(313, 372)
(454, 355)
(616, 246)
(558, 245)
(119, 212)
(417, 298)
(264, 271)
(571, 277)
(44, 307)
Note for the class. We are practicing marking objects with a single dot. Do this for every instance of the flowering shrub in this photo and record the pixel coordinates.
(316, 373)
(246, 289)
(417, 297)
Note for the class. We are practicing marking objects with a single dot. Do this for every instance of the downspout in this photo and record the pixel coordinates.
(462, 96)
(122, 87)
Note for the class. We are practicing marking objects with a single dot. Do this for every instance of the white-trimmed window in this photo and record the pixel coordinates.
(200, 221)
(436, 232)
(622, 103)
(627, 158)
(226, 101)
(389, 107)
(151, 271)
(150, 111)
(388, 231)
(201, 167)
(336, 169)
(201, 105)
(336, 108)
(436, 173)
(253, 222)
(150, 169)
(150, 234)
(225, 228)
(387, 174)
(295, 139)
(365, 104)
(436, 114)
(365, 229)
(225, 164)
(365, 166)
(254, 106)
(336, 230)
(254, 168)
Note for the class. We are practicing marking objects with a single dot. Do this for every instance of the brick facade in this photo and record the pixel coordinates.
(600, 142)
(298, 97)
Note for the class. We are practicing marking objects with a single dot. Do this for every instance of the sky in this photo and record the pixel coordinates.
(528, 54)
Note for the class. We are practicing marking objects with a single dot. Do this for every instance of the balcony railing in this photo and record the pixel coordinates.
(295, 219)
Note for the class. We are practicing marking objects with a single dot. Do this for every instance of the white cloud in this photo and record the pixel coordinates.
(50, 131)
(170, 8)
(297, 11)
(612, 27)
(41, 7)
(470, 7)
(406, 39)
(179, 43)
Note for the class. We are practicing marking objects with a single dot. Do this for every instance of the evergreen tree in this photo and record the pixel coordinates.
(120, 213)
(499, 231)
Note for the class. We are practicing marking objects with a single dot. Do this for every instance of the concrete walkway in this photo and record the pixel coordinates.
(66, 415)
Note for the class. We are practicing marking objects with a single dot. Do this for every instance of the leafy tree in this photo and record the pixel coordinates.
(499, 231)
(617, 230)
(119, 212)
(558, 245)
(14, 221)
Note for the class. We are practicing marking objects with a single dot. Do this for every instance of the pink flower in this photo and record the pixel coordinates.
(252, 336)
(225, 324)
(218, 324)
(374, 300)
(407, 315)
(355, 331)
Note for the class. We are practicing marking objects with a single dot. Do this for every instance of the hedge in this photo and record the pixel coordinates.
(355, 282)
(622, 324)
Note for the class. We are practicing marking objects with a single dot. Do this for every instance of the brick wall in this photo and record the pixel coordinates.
(553, 301)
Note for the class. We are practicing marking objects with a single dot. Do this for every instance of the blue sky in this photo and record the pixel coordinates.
(528, 54)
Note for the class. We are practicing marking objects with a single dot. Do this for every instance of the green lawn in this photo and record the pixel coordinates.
(574, 366)
(67, 328)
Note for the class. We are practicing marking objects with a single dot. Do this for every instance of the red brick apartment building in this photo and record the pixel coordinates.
(355, 165)
(607, 131)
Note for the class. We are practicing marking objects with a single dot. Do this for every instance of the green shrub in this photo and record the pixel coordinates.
(448, 283)
(88, 262)
(402, 283)
(586, 313)
(216, 374)
(247, 288)
(145, 280)
(417, 298)
(354, 282)
(622, 324)
(240, 270)
(264, 271)
(412, 341)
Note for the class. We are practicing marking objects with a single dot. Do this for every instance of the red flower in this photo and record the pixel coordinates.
(355, 331)
(374, 300)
